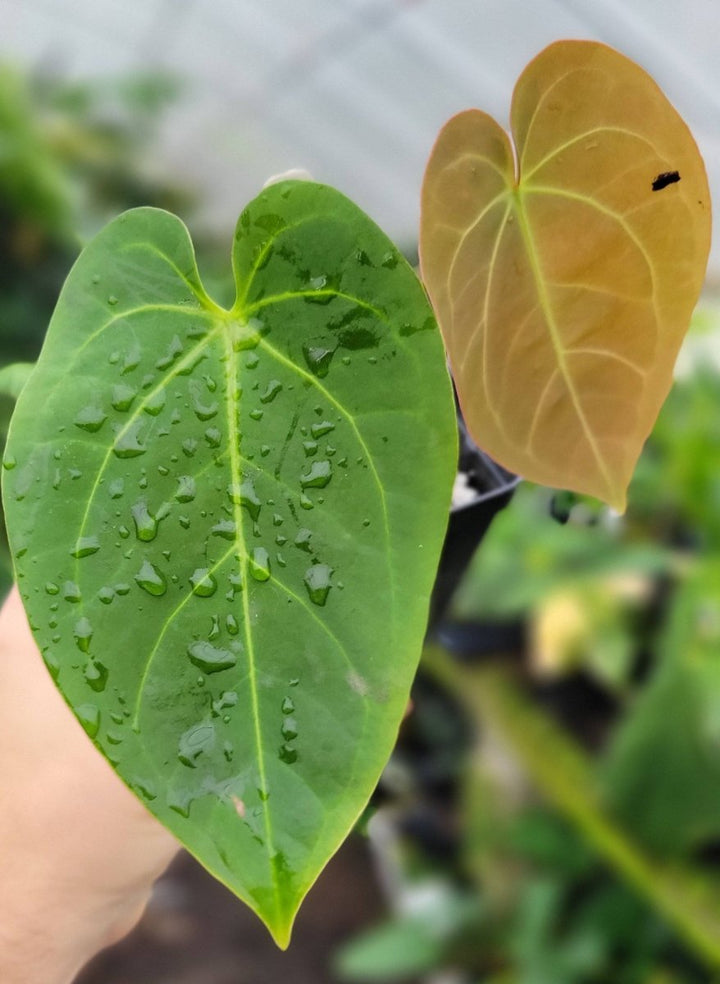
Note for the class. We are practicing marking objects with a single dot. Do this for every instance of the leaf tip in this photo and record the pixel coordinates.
(280, 930)
(615, 496)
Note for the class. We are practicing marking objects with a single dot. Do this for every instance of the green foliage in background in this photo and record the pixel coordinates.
(71, 155)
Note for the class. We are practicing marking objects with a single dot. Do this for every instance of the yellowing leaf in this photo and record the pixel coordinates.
(564, 270)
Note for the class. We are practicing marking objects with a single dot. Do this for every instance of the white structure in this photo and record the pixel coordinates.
(352, 90)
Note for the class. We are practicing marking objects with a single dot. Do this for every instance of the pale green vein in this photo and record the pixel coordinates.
(537, 415)
(232, 428)
(290, 491)
(194, 286)
(188, 596)
(556, 339)
(598, 289)
(484, 323)
(172, 373)
(305, 605)
(241, 554)
(291, 295)
(130, 312)
(470, 229)
(608, 354)
(536, 110)
(604, 210)
(315, 382)
(260, 260)
(473, 156)
(582, 136)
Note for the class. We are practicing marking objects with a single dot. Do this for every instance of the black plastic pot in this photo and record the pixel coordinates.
(484, 489)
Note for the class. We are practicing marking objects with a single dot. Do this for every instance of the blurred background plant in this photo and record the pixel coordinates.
(552, 812)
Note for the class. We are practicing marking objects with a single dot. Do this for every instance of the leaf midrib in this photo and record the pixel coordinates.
(232, 410)
(555, 335)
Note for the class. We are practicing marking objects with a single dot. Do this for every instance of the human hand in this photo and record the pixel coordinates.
(78, 852)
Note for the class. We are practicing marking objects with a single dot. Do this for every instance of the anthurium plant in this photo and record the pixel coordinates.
(226, 523)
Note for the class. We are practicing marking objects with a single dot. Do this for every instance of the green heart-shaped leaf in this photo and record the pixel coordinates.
(226, 524)
(564, 269)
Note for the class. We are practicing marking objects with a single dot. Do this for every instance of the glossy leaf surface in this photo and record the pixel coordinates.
(564, 283)
(225, 524)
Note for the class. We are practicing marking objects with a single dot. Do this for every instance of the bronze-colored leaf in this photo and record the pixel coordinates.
(564, 270)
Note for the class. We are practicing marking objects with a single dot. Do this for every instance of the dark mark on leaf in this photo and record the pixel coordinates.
(665, 179)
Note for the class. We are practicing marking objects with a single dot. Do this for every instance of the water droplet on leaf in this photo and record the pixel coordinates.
(318, 477)
(155, 403)
(203, 411)
(122, 397)
(203, 583)
(174, 350)
(83, 633)
(225, 528)
(289, 728)
(317, 582)
(288, 754)
(132, 360)
(195, 742)
(319, 430)
(71, 592)
(150, 579)
(228, 698)
(95, 675)
(127, 444)
(209, 658)
(146, 525)
(271, 391)
(245, 495)
(318, 359)
(89, 717)
(259, 563)
(90, 419)
(85, 546)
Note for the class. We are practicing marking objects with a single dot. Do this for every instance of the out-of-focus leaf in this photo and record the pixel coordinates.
(541, 957)
(412, 943)
(527, 556)
(395, 951)
(676, 488)
(684, 895)
(226, 524)
(663, 770)
(14, 377)
(564, 268)
(32, 180)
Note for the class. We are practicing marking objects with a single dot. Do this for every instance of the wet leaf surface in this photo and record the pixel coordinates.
(564, 266)
(225, 524)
